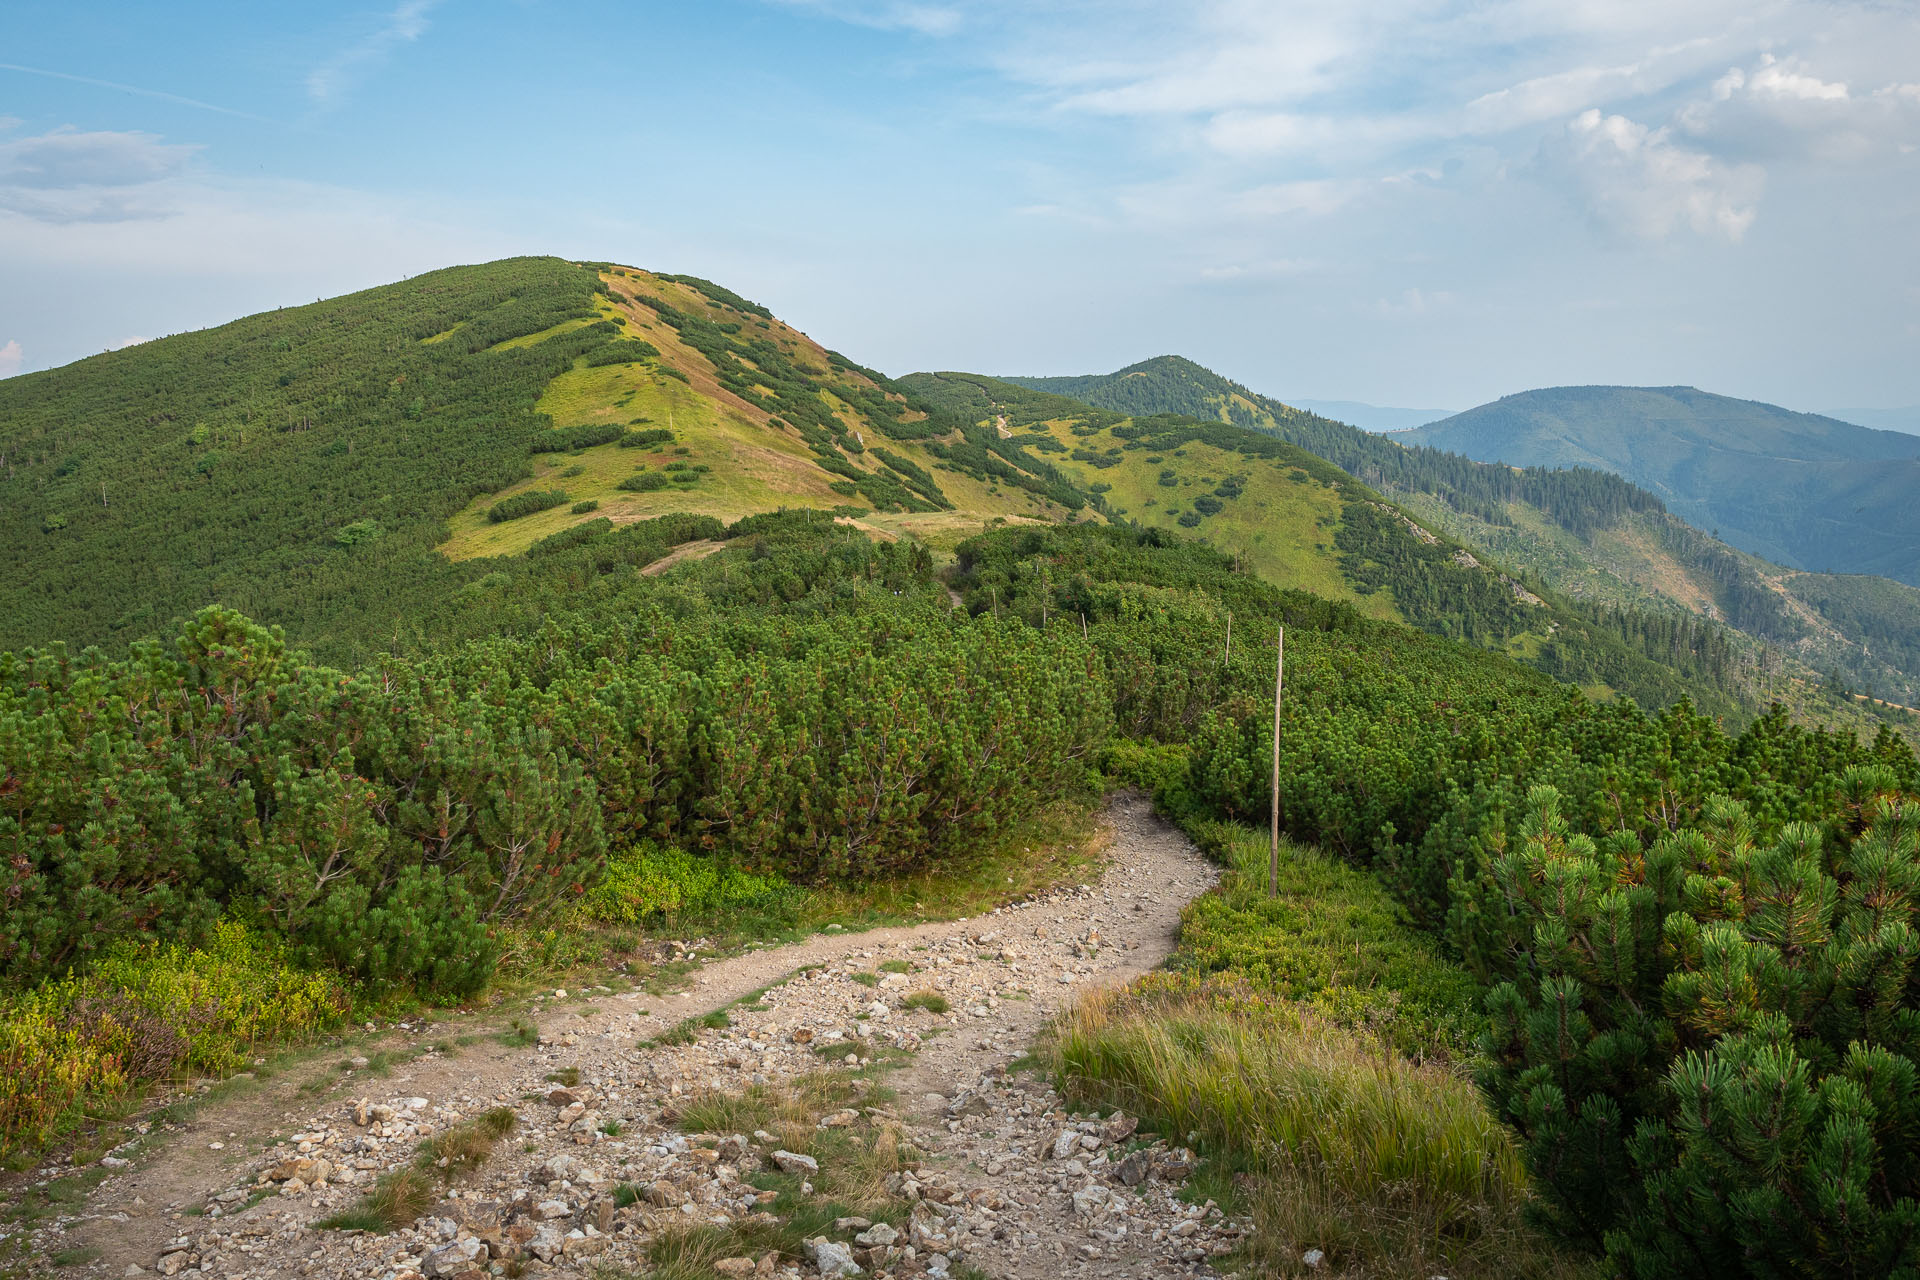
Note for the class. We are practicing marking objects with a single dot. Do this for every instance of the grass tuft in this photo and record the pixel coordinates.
(409, 1191)
(931, 1001)
(1394, 1168)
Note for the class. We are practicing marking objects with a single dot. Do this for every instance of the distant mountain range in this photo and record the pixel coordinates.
(1372, 417)
(1800, 489)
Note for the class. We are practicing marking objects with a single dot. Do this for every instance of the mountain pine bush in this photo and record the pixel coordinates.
(1709, 1044)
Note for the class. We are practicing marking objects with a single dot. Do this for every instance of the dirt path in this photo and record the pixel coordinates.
(697, 550)
(1012, 1184)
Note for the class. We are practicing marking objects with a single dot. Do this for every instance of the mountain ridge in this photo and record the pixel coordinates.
(1616, 548)
(1803, 490)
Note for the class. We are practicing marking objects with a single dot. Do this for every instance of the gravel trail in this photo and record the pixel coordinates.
(1010, 1185)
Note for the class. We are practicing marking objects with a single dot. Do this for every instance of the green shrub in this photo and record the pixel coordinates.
(352, 535)
(568, 439)
(1153, 767)
(622, 351)
(645, 482)
(1710, 1044)
(648, 880)
(424, 932)
(646, 439)
(147, 1011)
(581, 508)
(525, 504)
(584, 532)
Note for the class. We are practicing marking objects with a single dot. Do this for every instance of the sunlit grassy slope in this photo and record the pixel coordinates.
(1283, 520)
(745, 458)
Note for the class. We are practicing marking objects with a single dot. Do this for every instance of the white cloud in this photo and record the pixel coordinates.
(11, 358)
(887, 15)
(1413, 302)
(70, 176)
(1773, 80)
(251, 229)
(1558, 94)
(1782, 109)
(405, 24)
(1269, 269)
(1635, 181)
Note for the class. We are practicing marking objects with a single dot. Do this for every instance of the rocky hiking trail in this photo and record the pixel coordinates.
(884, 1052)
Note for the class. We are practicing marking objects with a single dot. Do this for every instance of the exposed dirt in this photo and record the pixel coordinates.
(1013, 1185)
(697, 550)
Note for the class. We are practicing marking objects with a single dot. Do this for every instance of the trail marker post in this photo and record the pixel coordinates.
(1273, 845)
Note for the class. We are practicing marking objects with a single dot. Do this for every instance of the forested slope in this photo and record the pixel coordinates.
(1584, 532)
(1810, 492)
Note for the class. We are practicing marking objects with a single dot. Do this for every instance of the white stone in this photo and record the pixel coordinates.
(793, 1162)
(833, 1258)
(451, 1259)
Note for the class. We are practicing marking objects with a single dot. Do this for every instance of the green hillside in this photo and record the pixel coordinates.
(368, 471)
(343, 469)
(1584, 533)
(1301, 522)
(1810, 492)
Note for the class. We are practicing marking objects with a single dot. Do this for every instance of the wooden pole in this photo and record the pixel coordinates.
(1273, 847)
(1228, 659)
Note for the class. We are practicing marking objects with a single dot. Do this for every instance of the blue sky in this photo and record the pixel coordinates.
(1426, 202)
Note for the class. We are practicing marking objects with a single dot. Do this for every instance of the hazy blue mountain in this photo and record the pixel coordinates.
(1907, 419)
(1372, 417)
(1800, 489)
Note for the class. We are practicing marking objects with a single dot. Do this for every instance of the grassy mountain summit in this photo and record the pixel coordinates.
(348, 468)
(1799, 489)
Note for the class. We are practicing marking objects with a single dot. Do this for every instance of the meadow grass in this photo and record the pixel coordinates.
(1332, 938)
(1283, 522)
(1393, 1168)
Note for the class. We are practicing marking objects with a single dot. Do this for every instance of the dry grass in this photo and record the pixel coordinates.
(855, 1161)
(855, 1164)
(1395, 1169)
(409, 1191)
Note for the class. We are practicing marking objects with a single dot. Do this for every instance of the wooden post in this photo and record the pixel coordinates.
(1228, 659)
(1273, 848)
(1083, 626)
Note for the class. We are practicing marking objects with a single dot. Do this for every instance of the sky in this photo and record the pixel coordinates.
(1401, 202)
